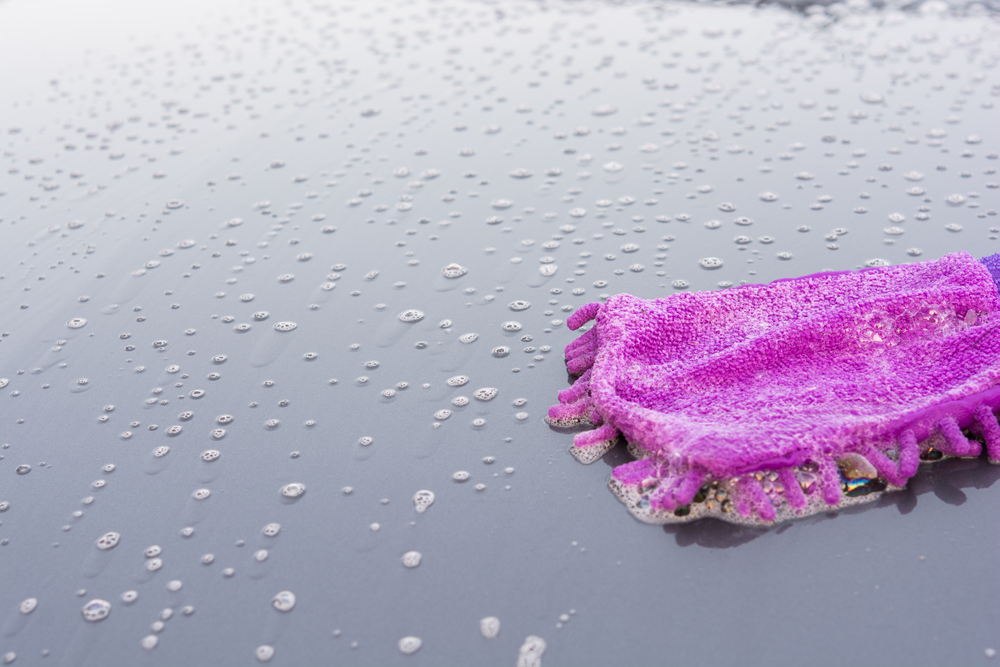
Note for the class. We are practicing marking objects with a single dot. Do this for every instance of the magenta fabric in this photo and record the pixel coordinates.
(712, 385)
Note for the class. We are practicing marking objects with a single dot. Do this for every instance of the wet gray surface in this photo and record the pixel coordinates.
(398, 138)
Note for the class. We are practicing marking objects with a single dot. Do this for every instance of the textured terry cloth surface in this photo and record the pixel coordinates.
(768, 377)
(992, 264)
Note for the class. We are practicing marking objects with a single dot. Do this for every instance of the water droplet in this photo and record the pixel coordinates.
(454, 271)
(411, 315)
(293, 490)
(283, 601)
(96, 610)
(530, 653)
(489, 627)
(486, 393)
(410, 645)
(422, 500)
